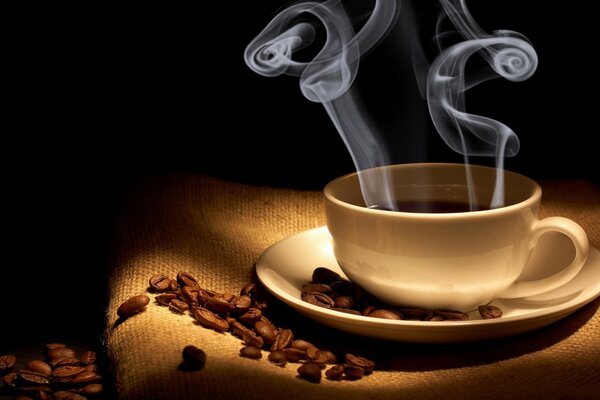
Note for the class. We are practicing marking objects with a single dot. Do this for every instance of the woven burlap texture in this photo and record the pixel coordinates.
(216, 230)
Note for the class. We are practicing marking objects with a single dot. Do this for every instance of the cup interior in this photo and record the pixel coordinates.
(430, 182)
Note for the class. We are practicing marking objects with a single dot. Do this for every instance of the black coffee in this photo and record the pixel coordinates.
(431, 206)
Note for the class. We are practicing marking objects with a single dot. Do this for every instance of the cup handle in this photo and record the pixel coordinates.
(577, 235)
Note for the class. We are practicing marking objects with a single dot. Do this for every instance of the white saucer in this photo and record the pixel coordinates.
(289, 263)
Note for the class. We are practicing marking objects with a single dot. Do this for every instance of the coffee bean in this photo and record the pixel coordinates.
(165, 298)
(65, 395)
(194, 357)
(238, 329)
(413, 313)
(250, 352)
(23, 398)
(54, 346)
(325, 275)
(452, 315)
(249, 289)
(88, 357)
(132, 306)
(250, 317)
(278, 358)
(7, 362)
(33, 377)
(335, 373)
(489, 311)
(59, 362)
(39, 366)
(434, 318)
(346, 310)
(61, 352)
(310, 372)
(91, 367)
(283, 339)
(316, 287)
(251, 339)
(343, 302)
(159, 283)
(301, 344)
(179, 306)
(67, 371)
(368, 309)
(266, 331)
(210, 320)
(87, 377)
(241, 304)
(317, 356)
(92, 389)
(331, 358)
(358, 361)
(293, 355)
(215, 304)
(318, 299)
(189, 295)
(185, 279)
(353, 372)
(10, 379)
(385, 314)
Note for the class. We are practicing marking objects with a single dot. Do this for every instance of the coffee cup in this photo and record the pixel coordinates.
(432, 241)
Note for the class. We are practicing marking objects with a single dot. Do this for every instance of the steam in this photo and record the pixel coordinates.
(510, 56)
(328, 77)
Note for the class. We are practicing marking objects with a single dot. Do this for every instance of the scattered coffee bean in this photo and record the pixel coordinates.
(132, 306)
(7, 362)
(358, 361)
(61, 352)
(88, 357)
(39, 366)
(293, 355)
(185, 279)
(194, 358)
(283, 339)
(489, 311)
(251, 352)
(210, 320)
(278, 358)
(249, 289)
(310, 372)
(335, 373)
(32, 377)
(92, 389)
(159, 283)
(452, 315)
(244, 316)
(353, 372)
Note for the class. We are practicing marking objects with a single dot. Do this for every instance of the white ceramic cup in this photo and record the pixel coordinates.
(455, 260)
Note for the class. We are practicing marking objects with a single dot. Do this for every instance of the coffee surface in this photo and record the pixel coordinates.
(431, 206)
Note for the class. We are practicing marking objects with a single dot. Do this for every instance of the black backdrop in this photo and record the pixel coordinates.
(99, 96)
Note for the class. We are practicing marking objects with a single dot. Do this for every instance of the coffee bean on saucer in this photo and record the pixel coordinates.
(452, 315)
(489, 311)
(325, 276)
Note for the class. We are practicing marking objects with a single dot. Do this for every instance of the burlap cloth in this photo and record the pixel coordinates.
(216, 230)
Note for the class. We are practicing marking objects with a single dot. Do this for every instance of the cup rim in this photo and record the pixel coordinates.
(493, 212)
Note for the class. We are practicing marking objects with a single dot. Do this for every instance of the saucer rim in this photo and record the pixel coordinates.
(553, 313)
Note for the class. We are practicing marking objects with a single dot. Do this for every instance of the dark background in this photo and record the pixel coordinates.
(99, 97)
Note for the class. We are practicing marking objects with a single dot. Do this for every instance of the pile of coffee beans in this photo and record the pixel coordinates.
(243, 315)
(329, 290)
(62, 375)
